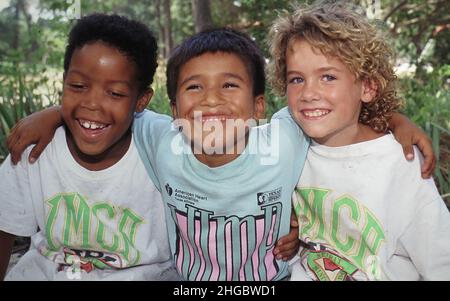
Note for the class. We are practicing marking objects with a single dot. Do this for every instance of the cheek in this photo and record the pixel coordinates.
(67, 107)
(184, 106)
(125, 118)
(291, 95)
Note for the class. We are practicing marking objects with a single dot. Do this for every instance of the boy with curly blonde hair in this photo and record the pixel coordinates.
(364, 212)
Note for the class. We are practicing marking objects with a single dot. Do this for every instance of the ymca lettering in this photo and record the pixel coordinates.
(316, 226)
(100, 227)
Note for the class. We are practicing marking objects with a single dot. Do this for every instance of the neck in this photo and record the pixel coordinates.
(352, 135)
(103, 160)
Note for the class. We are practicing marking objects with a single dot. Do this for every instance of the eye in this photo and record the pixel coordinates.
(230, 85)
(117, 94)
(193, 87)
(295, 80)
(76, 86)
(328, 77)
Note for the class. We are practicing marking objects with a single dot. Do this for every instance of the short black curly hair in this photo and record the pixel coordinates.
(217, 40)
(132, 38)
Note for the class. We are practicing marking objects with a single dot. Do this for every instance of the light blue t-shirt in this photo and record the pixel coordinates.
(224, 222)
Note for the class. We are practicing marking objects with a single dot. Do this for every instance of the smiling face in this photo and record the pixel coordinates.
(100, 97)
(324, 96)
(213, 88)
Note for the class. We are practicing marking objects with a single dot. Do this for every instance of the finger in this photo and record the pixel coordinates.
(294, 221)
(12, 140)
(408, 152)
(287, 251)
(287, 247)
(14, 158)
(286, 240)
(36, 152)
(427, 171)
(15, 155)
(17, 150)
(429, 161)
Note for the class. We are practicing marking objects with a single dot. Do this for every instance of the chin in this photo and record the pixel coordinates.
(90, 150)
(316, 135)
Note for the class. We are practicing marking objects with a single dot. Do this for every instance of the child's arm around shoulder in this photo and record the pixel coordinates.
(37, 128)
(408, 134)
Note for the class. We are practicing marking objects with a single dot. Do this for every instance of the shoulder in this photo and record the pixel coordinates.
(288, 127)
(282, 113)
(150, 121)
(56, 146)
(149, 116)
(406, 174)
(149, 127)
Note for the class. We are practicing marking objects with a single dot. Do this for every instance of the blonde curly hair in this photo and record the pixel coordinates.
(338, 30)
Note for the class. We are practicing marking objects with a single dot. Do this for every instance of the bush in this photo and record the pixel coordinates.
(427, 104)
(19, 97)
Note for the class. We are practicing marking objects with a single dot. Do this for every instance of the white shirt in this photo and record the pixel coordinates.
(84, 224)
(367, 214)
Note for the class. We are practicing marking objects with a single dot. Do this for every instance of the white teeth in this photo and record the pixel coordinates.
(315, 113)
(91, 125)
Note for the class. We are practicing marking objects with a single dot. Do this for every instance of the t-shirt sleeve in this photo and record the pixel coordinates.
(149, 130)
(16, 208)
(293, 141)
(427, 240)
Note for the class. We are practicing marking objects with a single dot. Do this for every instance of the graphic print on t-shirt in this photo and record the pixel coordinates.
(346, 231)
(75, 228)
(215, 247)
(324, 264)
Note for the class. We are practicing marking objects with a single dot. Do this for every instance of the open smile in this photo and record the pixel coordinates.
(92, 129)
(211, 117)
(315, 113)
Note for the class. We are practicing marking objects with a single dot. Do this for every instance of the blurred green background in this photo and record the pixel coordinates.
(33, 35)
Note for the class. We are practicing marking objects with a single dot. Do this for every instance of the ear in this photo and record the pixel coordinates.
(260, 107)
(369, 90)
(173, 107)
(144, 100)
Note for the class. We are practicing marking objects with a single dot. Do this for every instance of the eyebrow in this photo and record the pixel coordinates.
(322, 69)
(111, 81)
(227, 74)
(329, 68)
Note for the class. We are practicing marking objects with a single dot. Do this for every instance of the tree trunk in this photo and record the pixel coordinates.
(15, 41)
(202, 15)
(161, 39)
(168, 41)
(34, 43)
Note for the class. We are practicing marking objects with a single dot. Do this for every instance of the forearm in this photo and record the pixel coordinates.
(54, 115)
(38, 128)
(398, 119)
(6, 245)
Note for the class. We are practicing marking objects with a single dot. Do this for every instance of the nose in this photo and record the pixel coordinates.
(92, 100)
(212, 97)
(310, 92)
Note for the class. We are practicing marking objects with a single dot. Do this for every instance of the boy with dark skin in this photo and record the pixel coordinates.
(97, 212)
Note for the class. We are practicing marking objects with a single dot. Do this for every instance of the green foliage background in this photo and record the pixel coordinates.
(32, 41)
